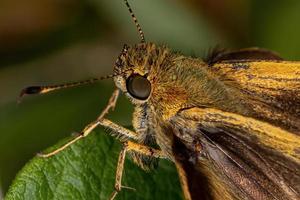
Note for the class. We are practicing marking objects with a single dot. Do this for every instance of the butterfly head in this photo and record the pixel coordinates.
(135, 69)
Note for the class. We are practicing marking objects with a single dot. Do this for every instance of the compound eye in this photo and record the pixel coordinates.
(138, 86)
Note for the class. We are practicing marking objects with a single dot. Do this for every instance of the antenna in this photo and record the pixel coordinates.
(48, 88)
(138, 26)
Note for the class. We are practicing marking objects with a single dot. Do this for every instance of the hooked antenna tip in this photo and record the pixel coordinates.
(29, 90)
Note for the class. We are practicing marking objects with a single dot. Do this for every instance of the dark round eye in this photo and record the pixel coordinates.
(138, 86)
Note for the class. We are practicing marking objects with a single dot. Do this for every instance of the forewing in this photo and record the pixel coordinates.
(272, 88)
(235, 157)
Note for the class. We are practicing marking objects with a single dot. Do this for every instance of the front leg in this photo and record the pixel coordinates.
(116, 130)
(106, 123)
(137, 148)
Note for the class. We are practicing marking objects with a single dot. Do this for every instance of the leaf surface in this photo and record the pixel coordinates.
(86, 170)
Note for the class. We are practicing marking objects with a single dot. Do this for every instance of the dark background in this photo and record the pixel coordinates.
(57, 41)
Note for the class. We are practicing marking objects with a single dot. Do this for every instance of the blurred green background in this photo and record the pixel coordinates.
(56, 41)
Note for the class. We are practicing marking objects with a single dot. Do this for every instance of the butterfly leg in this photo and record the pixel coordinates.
(138, 148)
(86, 131)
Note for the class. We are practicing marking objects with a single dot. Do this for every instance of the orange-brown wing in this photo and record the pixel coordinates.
(272, 88)
(221, 155)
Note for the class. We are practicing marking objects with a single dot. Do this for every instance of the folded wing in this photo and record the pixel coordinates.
(222, 155)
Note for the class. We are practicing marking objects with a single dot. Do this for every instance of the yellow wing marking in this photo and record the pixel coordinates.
(263, 75)
(268, 135)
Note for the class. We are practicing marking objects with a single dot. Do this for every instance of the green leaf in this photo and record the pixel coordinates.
(86, 170)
